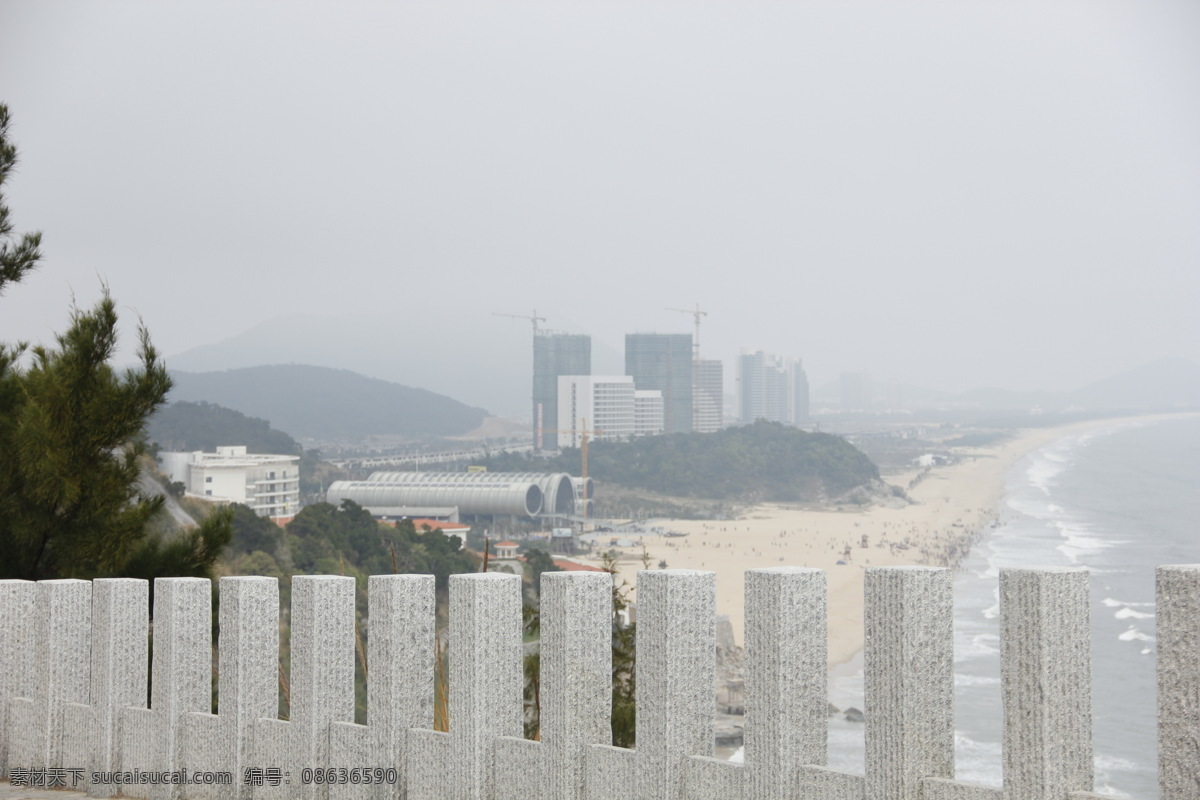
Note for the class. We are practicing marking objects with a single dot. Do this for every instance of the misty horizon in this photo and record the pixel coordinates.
(940, 194)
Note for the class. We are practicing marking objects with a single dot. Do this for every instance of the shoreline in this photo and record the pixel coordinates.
(955, 505)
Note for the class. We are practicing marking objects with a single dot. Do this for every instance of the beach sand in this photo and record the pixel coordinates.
(954, 505)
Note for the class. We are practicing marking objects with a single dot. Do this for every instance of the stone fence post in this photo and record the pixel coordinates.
(1178, 607)
(59, 637)
(575, 690)
(247, 688)
(120, 654)
(909, 672)
(400, 685)
(676, 676)
(152, 738)
(322, 686)
(18, 677)
(1046, 676)
(486, 691)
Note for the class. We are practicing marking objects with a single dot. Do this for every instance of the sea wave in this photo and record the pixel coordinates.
(975, 680)
(1111, 603)
(1080, 542)
(1129, 613)
(1134, 635)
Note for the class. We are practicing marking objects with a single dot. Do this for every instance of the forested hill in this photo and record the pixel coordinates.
(187, 426)
(765, 461)
(328, 404)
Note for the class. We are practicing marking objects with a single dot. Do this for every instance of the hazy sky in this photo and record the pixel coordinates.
(951, 194)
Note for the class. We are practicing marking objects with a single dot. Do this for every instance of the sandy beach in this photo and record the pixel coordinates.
(953, 507)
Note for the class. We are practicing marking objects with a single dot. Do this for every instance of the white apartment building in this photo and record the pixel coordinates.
(772, 388)
(708, 395)
(600, 403)
(648, 412)
(269, 484)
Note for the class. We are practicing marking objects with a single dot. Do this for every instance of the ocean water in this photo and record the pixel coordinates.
(1120, 501)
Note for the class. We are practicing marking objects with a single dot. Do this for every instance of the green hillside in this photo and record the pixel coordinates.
(203, 426)
(328, 404)
(765, 461)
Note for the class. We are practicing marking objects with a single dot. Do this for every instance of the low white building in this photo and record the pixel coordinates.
(269, 484)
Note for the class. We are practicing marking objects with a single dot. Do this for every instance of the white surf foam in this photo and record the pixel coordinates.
(1129, 613)
(1113, 603)
(1134, 635)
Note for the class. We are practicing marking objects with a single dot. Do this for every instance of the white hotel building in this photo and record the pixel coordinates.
(608, 405)
(269, 484)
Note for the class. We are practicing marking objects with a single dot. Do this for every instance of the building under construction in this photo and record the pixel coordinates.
(554, 354)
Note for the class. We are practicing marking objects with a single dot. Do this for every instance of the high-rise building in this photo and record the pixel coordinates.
(554, 354)
(708, 395)
(800, 410)
(771, 388)
(604, 404)
(663, 361)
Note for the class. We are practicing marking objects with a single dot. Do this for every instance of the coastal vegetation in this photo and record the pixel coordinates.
(762, 462)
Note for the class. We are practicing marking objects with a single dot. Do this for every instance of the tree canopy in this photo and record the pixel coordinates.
(328, 539)
(205, 426)
(71, 425)
(764, 461)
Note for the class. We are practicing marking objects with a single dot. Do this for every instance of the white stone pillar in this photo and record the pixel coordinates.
(1178, 634)
(1046, 677)
(120, 655)
(18, 651)
(576, 691)
(248, 684)
(153, 739)
(676, 676)
(909, 676)
(62, 619)
(787, 698)
(486, 691)
(322, 686)
(487, 678)
(400, 664)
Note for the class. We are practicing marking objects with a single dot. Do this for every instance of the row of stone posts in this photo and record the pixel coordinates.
(74, 680)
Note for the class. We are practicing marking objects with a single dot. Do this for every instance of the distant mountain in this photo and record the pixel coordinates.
(1163, 385)
(492, 371)
(328, 404)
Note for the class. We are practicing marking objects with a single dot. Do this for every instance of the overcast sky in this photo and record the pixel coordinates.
(951, 194)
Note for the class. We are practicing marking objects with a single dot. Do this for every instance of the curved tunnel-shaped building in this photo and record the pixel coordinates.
(515, 496)
(557, 488)
(581, 483)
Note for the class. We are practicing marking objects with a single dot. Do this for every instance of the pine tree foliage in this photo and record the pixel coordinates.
(20, 256)
(70, 439)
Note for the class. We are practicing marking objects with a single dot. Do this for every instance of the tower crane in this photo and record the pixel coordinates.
(696, 315)
(535, 319)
